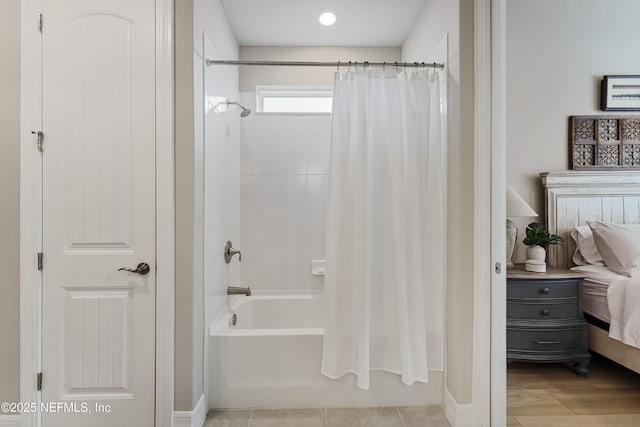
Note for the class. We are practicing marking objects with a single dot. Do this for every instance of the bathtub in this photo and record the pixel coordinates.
(271, 359)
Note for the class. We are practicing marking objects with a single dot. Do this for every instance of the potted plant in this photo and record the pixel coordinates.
(537, 239)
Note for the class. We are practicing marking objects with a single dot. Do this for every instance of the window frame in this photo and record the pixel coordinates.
(269, 91)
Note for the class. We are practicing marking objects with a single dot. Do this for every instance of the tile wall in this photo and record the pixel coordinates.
(283, 198)
(221, 133)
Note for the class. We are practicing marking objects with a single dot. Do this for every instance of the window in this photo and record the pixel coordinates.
(293, 99)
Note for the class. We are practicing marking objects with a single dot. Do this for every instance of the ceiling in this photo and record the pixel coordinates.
(295, 22)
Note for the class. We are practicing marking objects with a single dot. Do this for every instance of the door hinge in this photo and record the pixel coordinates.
(40, 258)
(498, 268)
(39, 22)
(39, 381)
(39, 138)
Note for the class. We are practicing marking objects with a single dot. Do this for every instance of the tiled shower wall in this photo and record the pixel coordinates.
(284, 165)
(221, 133)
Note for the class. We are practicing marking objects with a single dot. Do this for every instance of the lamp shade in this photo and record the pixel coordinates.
(516, 206)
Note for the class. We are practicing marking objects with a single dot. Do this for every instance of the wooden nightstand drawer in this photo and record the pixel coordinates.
(542, 289)
(543, 310)
(544, 321)
(544, 340)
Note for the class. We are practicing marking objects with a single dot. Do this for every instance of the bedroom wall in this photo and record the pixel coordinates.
(10, 196)
(557, 53)
(438, 19)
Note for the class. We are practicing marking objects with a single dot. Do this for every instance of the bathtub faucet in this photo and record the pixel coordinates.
(229, 252)
(237, 290)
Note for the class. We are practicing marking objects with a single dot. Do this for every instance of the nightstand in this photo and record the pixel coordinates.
(544, 318)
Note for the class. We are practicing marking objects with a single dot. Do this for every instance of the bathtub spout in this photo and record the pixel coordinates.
(237, 290)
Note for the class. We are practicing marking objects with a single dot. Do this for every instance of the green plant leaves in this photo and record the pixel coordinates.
(537, 234)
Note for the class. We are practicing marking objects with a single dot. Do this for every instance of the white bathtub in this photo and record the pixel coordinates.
(271, 359)
(272, 315)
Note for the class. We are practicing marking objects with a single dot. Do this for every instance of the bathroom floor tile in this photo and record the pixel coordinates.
(413, 416)
(423, 416)
(363, 417)
(287, 418)
(230, 418)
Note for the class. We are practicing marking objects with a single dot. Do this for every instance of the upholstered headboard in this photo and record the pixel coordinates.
(574, 197)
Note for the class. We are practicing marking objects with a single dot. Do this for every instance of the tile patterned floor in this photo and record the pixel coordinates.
(423, 416)
(550, 395)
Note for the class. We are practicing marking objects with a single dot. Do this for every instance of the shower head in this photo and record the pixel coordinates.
(245, 111)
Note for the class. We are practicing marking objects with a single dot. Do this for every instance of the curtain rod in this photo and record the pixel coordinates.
(403, 64)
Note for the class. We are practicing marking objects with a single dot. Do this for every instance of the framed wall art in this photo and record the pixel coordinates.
(621, 93)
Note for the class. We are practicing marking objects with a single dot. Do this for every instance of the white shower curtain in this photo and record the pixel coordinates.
(386, 225)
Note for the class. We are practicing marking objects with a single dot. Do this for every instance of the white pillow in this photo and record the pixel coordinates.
(586, 248)
(577, 258)
(619, 246)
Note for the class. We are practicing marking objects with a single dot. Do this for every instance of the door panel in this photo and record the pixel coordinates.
(95, 340)
(98, 344)
(96, 168)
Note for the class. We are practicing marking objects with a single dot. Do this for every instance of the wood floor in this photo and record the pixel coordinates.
(549, 395)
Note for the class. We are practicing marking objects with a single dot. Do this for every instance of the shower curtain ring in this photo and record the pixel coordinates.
(338, 68)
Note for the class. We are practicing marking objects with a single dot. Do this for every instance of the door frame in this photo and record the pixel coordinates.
(31, 210)
(490, 167)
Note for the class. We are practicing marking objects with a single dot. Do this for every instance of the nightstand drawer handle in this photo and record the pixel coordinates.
(545, 290)
(546, 342)
(545, 312)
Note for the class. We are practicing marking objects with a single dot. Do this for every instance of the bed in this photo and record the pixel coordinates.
(571, 199)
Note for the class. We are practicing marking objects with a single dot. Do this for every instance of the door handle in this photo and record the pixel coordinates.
(142, 269)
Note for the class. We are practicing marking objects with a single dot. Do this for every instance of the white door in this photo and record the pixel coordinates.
(98, 332)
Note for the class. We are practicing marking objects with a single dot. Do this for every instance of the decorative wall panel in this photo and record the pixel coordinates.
(604, 142)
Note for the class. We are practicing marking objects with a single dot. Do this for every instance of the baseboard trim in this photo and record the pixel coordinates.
(10, 421)
(193, 418)
(457, 414)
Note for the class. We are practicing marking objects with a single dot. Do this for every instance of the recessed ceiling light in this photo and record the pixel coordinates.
(327, 17)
